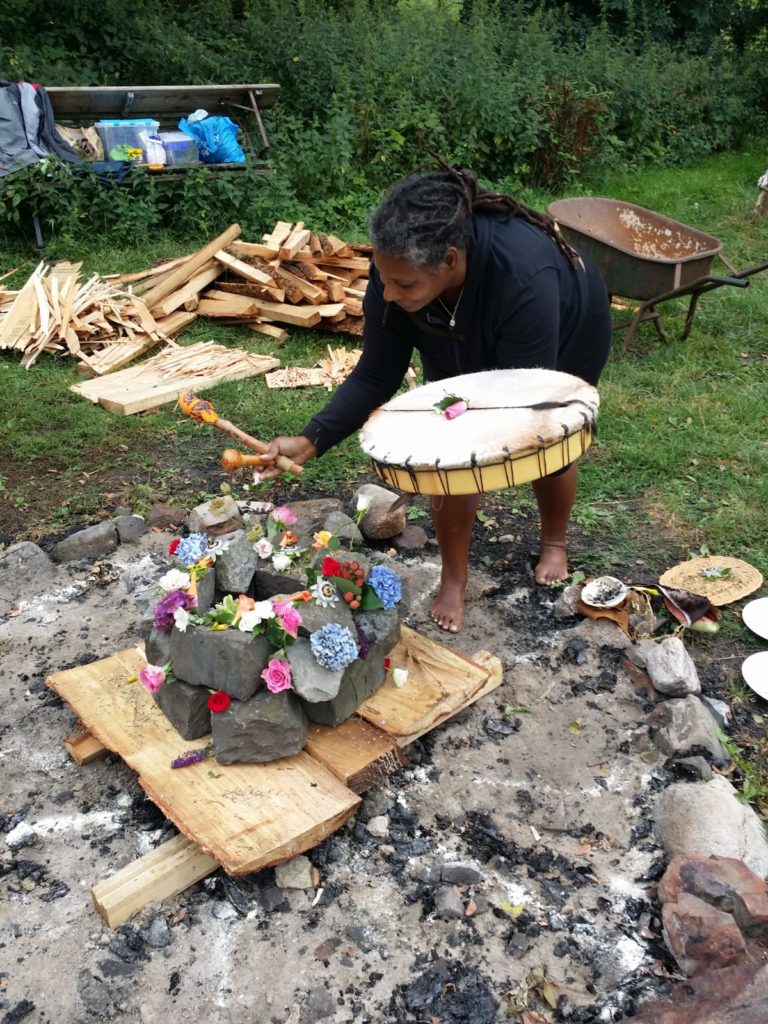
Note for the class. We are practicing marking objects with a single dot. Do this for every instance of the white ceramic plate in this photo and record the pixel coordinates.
(755, 615)
(604, 592)
(755, 672)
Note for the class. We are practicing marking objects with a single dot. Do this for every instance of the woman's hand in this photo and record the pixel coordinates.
(298, 449)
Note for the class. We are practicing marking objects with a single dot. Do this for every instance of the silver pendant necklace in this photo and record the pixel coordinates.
(452, 315)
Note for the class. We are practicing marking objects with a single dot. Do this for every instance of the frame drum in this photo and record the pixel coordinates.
(520, 425)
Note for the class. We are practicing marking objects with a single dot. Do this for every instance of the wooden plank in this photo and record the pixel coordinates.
(207, 273)
(297, 239)
(357, 753)
(347, 262)
(158, 875)
(232, 307)
(254, 291)
(271, 330)
(86, 103)
(266, 252)
(311, 292)
(159, 380)
(440, 683)
(189, 268)
(245, 816)
(279, 233)
(82, 746)
(299, 316)
(244, 269)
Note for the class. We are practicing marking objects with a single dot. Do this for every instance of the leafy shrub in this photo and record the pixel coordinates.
(533, 96)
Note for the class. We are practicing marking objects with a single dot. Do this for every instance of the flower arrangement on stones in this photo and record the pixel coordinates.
(260, 633)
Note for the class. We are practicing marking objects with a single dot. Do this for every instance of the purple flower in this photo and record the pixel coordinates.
(167, 606)
(190, 757)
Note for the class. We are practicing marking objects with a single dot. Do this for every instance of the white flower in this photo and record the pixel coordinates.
(181, 619)
(399, 676)
(324, 593)
(263, 548)
(216, 547)
(363, 502)
(281, 562)
(265, 609)
(261, 611)
(174, 579)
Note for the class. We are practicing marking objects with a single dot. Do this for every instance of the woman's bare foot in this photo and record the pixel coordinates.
(553, 563)
(448, 609)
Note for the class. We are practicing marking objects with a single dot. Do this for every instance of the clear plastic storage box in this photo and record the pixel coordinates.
(126, 140)
(180, 149)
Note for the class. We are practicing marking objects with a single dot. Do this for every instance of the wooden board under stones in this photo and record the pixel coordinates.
(440, 683)
(245, 816)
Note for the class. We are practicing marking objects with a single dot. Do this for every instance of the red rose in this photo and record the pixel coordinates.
(219, 701)
(173, 547)
(387, 663)
(330, 567)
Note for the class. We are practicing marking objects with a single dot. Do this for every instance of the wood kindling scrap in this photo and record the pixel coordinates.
(328, 372)
(55, 312)
(159, 380)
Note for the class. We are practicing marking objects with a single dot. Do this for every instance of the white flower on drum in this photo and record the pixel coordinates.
(399, 676)
(324, 593)
(174, 579)
(263, 548)
(181, 619)
(281, 562)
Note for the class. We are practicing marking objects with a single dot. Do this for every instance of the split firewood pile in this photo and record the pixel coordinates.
(293, 276)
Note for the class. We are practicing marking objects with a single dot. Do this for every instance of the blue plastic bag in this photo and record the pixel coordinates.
(216, 138)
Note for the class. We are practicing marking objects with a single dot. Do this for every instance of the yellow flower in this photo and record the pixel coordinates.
(321, 539)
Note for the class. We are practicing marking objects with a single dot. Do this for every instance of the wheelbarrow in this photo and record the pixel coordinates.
(645, 256)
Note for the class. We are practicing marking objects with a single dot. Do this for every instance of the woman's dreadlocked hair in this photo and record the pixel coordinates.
(425, 214)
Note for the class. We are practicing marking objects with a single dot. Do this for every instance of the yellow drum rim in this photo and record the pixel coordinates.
(511, 471)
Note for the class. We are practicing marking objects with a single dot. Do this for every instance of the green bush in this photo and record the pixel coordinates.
(540, 96)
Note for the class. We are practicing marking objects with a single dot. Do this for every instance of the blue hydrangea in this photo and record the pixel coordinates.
(192, 548)
(385, 585)
(333, 646)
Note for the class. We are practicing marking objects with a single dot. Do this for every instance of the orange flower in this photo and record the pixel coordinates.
(288, 539)
(244, 604)
(301, 595)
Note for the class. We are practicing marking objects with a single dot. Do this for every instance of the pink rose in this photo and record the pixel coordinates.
(280, 605)
(284, 515)
(152, 677)
(290, 620)
(457, 409)
(277, 675)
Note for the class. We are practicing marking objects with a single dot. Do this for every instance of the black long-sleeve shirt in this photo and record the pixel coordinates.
(523, 305)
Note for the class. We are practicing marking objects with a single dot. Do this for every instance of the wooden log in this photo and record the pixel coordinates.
(189, 268)
(308, 291)
(346, 262)
(158, 875)
(207, 273)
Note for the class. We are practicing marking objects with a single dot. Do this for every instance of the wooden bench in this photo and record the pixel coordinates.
(85, 105)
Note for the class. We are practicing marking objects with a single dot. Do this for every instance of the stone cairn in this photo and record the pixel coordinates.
(271, 620)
